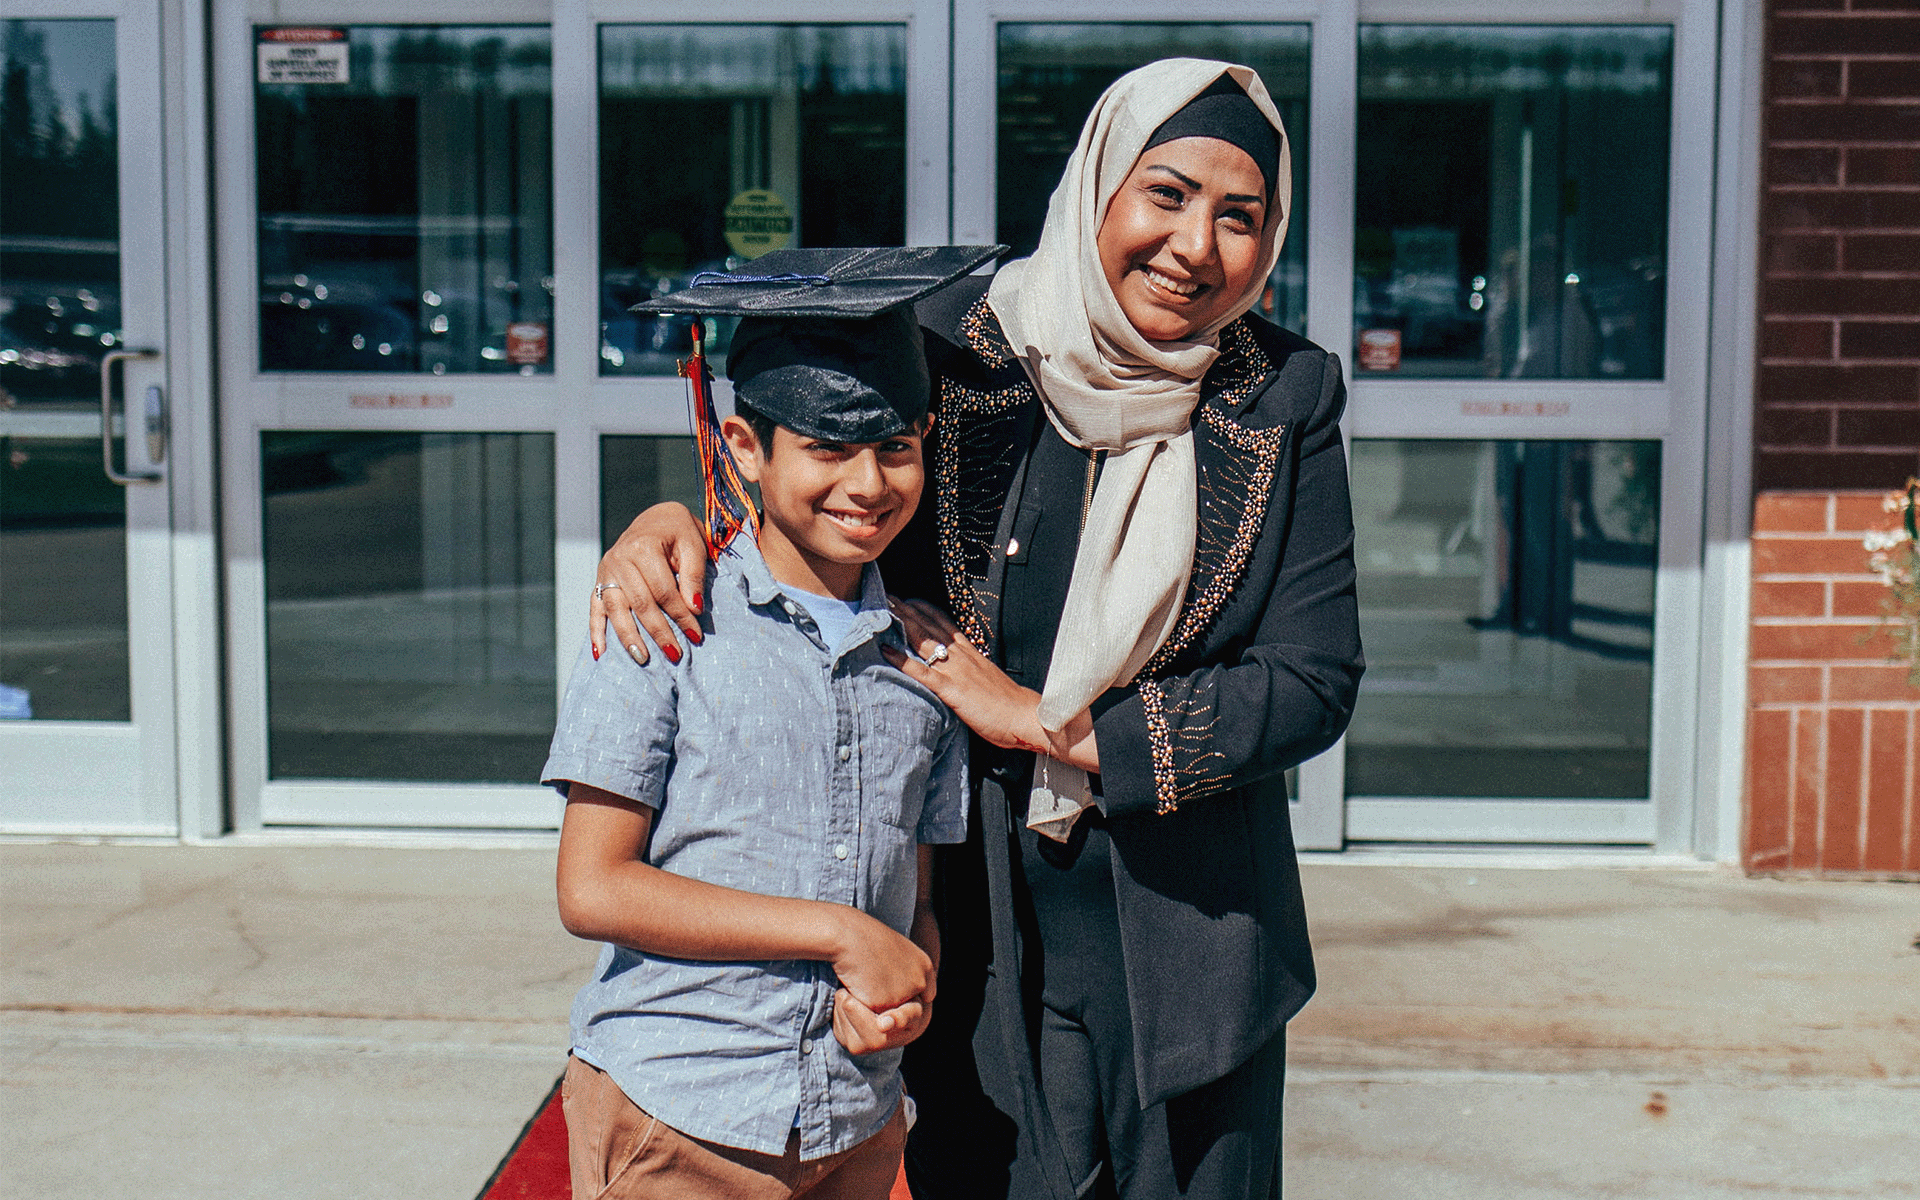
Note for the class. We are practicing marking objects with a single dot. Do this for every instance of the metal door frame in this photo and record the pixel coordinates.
(102, 778)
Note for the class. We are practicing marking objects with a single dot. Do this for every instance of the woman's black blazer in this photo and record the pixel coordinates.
(1258, 675)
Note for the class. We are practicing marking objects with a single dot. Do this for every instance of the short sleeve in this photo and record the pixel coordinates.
(943, 818)
(616, 728)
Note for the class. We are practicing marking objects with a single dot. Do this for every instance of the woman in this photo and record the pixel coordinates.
(1140, 528)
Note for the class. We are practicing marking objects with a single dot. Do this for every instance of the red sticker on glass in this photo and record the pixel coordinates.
(1380, 349)
(526, 343)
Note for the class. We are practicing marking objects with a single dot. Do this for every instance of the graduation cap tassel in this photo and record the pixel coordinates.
(729, 508)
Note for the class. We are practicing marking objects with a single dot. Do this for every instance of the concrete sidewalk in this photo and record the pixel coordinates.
(182, 1023)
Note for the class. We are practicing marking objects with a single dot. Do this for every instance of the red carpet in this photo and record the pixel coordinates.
(536, 1167)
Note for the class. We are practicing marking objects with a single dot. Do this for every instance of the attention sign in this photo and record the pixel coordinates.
(301, 55)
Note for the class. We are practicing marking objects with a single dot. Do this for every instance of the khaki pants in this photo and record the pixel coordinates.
(616, 1151)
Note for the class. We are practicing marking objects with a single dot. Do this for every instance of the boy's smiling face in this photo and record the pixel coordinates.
(828, 508)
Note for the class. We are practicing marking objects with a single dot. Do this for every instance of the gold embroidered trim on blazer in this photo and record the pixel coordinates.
(1161, 743)
(1186, 764)
(971, 474)
(1241, 368)
(1233, 508)
(984, 336)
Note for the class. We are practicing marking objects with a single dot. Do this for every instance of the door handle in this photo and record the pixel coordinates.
(156, 421)
(155, 415)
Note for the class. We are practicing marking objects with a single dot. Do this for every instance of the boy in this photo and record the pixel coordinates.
(749, 827)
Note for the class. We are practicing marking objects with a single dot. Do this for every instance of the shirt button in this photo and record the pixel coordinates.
(846, 752)
(806, 1045)
(839, 849)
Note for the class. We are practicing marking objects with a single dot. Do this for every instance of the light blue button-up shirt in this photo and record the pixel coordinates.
(780, 765)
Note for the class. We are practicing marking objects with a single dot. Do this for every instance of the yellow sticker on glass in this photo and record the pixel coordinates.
(757, 221)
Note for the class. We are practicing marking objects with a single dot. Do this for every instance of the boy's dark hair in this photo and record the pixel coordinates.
(761, 424)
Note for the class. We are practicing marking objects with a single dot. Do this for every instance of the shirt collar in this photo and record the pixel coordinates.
(757, 581)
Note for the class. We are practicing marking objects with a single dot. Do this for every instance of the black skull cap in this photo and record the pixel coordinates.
(828, 346)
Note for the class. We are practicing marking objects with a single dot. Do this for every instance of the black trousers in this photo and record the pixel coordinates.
(1219, 1142)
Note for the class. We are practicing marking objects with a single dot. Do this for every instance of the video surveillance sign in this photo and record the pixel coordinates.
(301, 55)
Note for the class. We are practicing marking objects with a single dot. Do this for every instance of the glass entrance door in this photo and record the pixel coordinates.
(86, 678)
(388, 348)
(436, 403)
(1502, 230)
(1528, 387)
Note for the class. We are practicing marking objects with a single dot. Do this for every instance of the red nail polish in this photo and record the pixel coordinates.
(694, 635)
(699, 603)
(596, 654)
(671, 651)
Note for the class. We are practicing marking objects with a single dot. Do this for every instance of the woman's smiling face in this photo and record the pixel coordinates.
(1181, 240)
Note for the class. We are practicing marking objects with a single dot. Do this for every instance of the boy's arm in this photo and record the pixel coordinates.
(942, 819)
(607, 893)
(925, 931)
(862, 1030)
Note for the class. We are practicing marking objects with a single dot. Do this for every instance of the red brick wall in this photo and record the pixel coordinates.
(1832, 734)
(1833, 726)
(1839, 379)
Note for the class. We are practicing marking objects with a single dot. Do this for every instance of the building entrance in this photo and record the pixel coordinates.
(437, 409)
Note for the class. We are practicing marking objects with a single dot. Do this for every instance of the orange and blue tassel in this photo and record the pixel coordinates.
(729, 506)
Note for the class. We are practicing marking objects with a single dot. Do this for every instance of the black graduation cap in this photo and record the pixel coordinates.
(828, 345)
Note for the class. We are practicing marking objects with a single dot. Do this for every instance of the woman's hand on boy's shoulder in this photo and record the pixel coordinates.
(651, 578)
(979, 692)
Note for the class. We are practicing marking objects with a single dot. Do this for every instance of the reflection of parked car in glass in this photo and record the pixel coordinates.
(1410, 279)
(51, 343)
(646, 344)
(455, 316)
(324, 336)
(1431, 310)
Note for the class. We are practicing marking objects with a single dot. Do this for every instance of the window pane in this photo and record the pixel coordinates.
(1506, 603)
(1050, 75)
(719, 143)
(639, 472)
(63, 580)
(409, 605)
(406, 212)
(63, 525)
(1511, 203)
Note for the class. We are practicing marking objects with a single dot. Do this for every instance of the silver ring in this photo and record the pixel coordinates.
(939, 654)
(601, 589)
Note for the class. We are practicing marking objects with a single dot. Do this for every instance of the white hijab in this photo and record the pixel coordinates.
(1105, 387)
